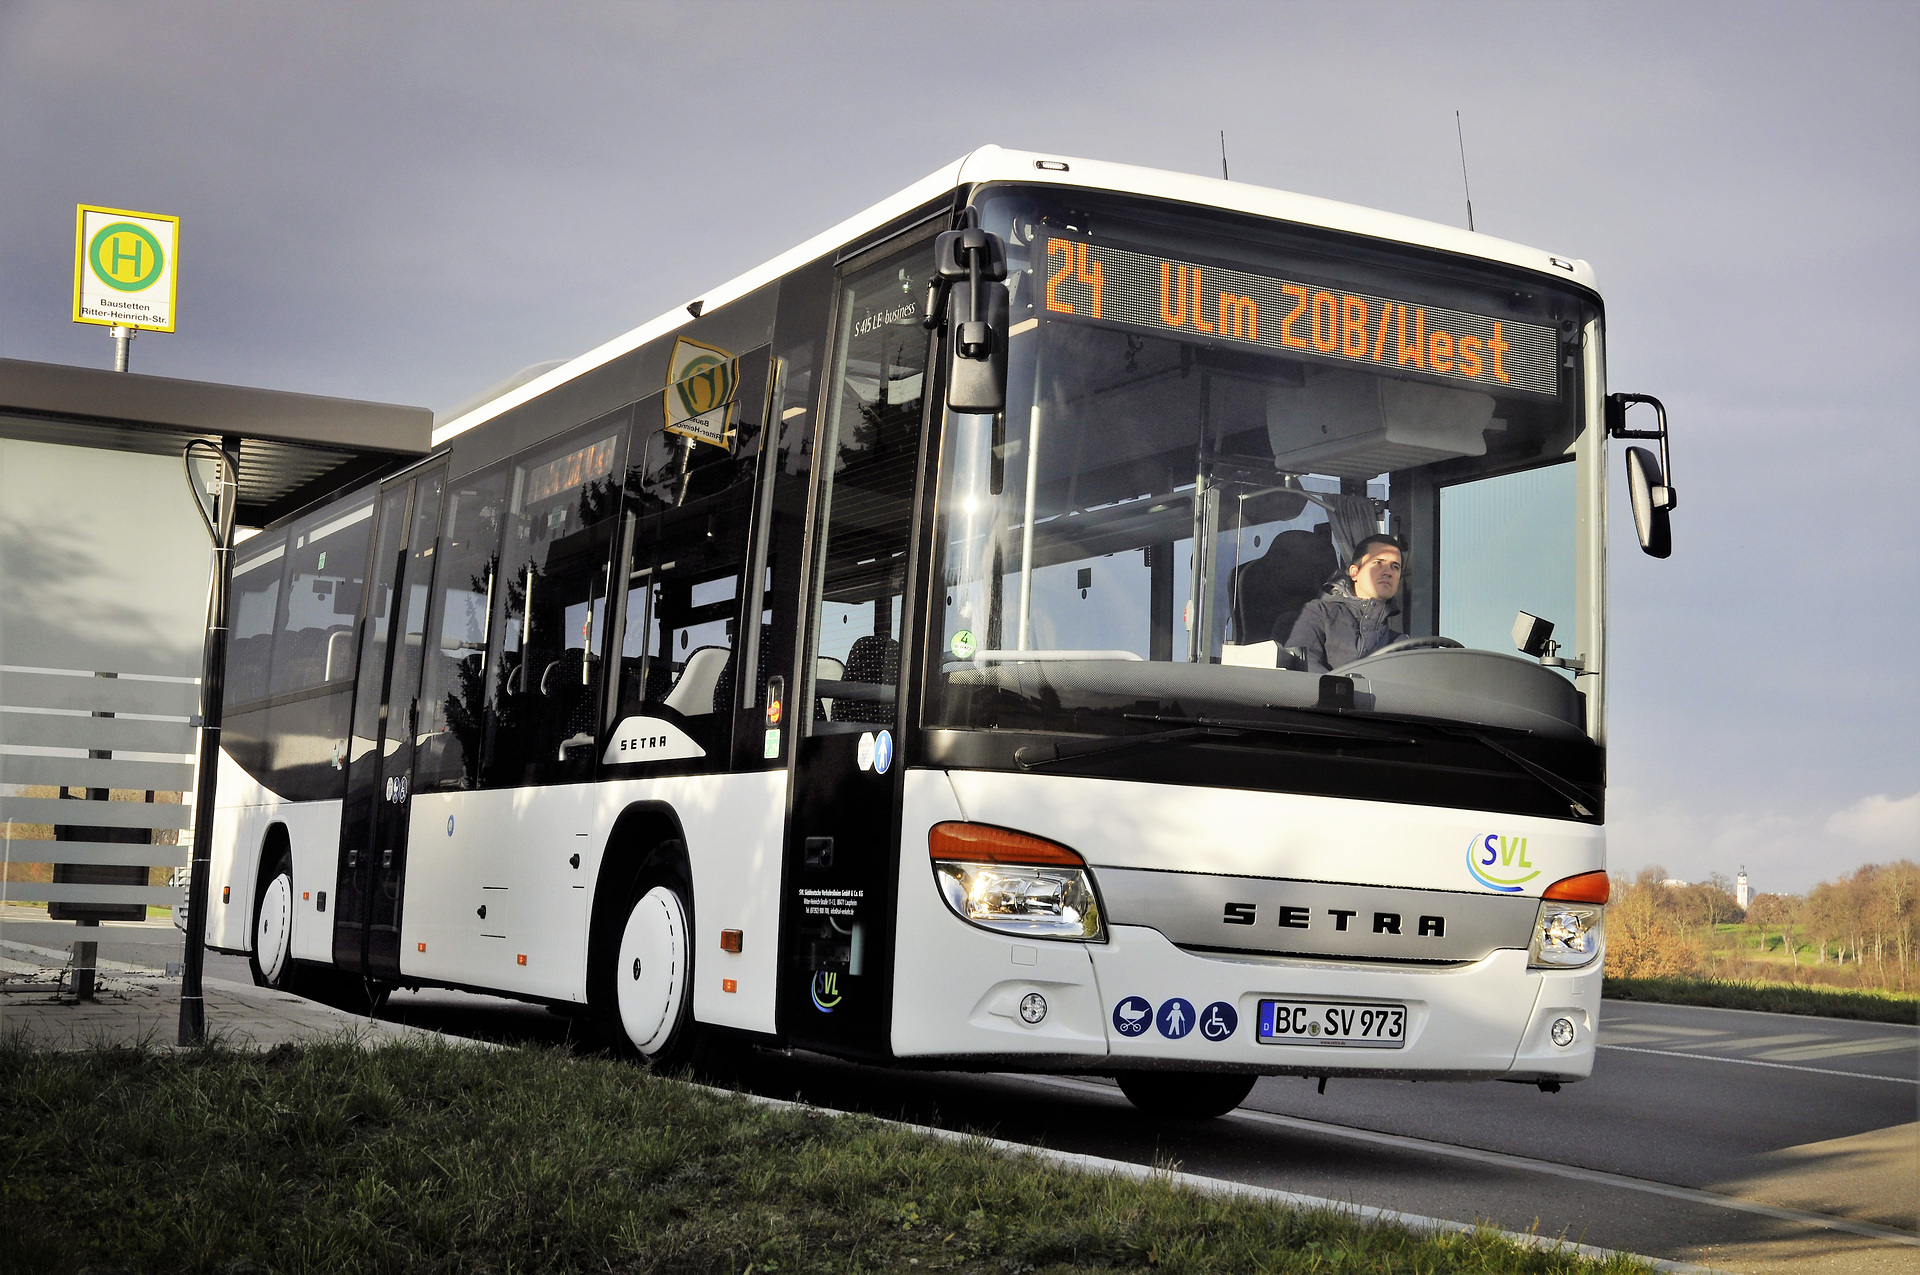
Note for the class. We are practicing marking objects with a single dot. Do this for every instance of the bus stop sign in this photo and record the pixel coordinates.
(123, 268)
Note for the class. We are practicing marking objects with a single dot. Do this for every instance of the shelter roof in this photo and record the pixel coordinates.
(295, 449)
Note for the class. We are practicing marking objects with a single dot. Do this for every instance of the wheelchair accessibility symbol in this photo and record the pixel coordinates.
(1218, 1021)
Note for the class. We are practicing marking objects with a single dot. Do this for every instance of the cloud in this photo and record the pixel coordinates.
(1880, 821)
(1786, 851)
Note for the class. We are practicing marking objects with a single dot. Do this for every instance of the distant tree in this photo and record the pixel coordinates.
(1644, 936)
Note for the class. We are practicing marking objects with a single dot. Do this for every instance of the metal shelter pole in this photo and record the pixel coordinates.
(213, 677)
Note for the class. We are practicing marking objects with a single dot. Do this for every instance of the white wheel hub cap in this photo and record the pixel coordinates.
(270, 939)
(652, 969)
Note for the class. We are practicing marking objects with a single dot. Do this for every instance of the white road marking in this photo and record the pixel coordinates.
(1597, 1176)
(1755, 1062)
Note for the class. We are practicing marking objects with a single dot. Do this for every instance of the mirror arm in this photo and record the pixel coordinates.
(1664, 497)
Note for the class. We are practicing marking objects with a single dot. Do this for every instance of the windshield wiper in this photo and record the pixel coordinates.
(1561, 786)
(1564, 787)
(1343, 730)
(1036, 755)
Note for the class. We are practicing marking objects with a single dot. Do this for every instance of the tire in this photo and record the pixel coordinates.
(651, 1014)
(271, 959)
(1185, 1095)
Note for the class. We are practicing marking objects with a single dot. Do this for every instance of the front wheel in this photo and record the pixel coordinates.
(1185, 1095)
(272, 958)
(653, 978)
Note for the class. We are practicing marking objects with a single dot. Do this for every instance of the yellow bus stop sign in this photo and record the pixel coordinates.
(123, 268)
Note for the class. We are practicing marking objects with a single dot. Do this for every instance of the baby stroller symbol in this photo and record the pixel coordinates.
(1218, 1021)
(1132, 1016)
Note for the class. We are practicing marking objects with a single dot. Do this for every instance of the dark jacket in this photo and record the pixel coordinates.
(1338, 628)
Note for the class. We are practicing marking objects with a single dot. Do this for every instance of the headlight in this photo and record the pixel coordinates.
(1014, 884)
(1567, 935)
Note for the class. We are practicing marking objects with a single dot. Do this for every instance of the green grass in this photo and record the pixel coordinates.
(1774, 998)
(439, 1158)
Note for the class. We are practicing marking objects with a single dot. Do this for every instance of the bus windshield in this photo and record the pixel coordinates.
(1207, 420)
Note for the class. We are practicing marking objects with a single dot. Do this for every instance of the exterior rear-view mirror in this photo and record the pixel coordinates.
(1652, 499)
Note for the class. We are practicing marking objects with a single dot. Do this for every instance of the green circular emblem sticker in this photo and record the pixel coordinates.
(125, 256)
(962, 645)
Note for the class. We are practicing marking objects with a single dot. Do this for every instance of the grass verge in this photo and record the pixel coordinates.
(438, 1158)
(1774, 998)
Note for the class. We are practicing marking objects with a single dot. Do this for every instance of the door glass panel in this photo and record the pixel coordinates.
(872, 433)
(370, 691)
(550, 607)
(408, 642)
(453, 686)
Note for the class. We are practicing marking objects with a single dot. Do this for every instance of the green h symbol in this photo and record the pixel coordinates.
(119, 255)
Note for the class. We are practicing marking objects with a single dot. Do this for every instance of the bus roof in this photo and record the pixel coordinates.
(994, 163)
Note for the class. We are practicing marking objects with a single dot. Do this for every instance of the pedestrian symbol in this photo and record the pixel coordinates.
(1218, 1021)
(1131, 1016)
(1175, 1018)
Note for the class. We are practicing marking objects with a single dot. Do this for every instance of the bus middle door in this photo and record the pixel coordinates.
(373, 823)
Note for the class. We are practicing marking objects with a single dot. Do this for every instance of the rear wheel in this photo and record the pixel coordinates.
(1185, 1095)
(272, 958)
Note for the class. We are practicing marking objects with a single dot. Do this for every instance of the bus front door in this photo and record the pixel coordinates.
(386, 708)
(836, 990)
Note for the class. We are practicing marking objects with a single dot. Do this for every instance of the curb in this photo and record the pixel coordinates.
(1101, 1167)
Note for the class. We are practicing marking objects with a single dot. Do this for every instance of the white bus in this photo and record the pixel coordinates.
(897, 653)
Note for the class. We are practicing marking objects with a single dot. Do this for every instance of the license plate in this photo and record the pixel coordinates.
(1364, 1026)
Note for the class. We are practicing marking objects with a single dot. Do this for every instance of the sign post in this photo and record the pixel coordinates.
(123, 273)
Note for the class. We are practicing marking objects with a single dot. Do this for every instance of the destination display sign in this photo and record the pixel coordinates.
(1181, 298)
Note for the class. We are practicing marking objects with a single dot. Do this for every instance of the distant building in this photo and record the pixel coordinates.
(1672, 882)
(1740, 888)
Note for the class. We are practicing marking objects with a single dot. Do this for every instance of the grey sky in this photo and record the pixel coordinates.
(408, 202)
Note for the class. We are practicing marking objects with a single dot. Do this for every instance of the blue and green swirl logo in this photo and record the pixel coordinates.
(1494, 860)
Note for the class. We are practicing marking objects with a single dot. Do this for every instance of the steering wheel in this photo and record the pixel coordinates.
(1431, 642)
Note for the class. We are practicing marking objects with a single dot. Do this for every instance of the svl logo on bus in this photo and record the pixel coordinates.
(1492, 859)
(125, 257)
(826, 991)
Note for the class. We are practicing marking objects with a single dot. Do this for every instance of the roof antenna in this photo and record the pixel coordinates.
(1461, 134)
(1223, 156)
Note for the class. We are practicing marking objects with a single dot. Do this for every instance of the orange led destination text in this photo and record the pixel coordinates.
(1317, 320)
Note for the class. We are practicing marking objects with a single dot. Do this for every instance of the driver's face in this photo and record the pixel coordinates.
(1378, 574)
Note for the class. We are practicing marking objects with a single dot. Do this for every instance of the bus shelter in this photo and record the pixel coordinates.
(105, 627)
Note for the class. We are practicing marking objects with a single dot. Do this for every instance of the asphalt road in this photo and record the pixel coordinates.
(1743, 1141)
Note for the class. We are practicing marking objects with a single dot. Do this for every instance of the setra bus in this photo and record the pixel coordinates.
(895, 653)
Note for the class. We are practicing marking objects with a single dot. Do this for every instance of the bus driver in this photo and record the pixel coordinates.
(1350, 620)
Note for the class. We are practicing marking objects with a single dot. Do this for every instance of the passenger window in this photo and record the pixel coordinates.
(690, 508)
(326, 575)
(550, 607)
(258, 566)
(872, 432)
(454, 684)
